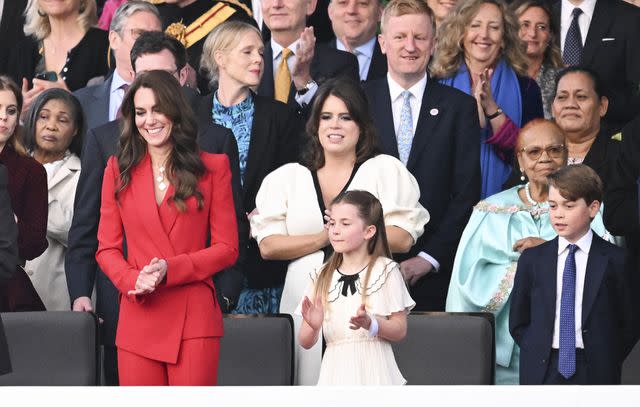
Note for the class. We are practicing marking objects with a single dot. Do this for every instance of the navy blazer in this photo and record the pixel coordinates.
(81, 267)
(607, 327)
(445, 160)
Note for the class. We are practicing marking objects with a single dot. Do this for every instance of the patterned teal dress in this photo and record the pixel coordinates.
(485, 265)
(239, 119)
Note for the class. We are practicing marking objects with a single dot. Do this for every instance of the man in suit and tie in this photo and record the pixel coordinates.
(603, 35)
(294, 63)
(571, 310)
(8, 255)
(355, 24)
(434, 130)
(101, 102)
(152, 50)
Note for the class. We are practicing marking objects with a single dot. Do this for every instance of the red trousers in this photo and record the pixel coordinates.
(197, 365)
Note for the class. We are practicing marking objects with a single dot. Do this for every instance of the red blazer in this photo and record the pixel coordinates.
(184, 305)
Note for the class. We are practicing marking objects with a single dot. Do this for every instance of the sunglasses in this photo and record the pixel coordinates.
(535, 152)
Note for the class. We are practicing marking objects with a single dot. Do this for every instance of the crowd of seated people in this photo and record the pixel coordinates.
(168, 162)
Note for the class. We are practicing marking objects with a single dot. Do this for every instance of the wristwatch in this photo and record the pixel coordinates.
(493, 115)
(307, 87)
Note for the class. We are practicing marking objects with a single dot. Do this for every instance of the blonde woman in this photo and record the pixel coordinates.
(479, 52)
(63, 49)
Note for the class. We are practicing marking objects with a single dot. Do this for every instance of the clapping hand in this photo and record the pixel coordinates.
(301, 71)
(313, 313)
(361, 319)
(150, 277)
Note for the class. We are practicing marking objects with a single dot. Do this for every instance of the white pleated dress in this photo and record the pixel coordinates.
(351, 357)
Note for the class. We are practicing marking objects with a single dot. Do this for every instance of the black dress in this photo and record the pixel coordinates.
(86, 60)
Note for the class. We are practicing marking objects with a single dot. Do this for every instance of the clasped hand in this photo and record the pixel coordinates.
(150, 277)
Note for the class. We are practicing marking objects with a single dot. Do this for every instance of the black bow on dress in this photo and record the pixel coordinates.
(349, 282)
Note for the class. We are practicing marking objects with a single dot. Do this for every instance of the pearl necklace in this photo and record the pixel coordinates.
(162, 185)
(537, 208)
(527, 193)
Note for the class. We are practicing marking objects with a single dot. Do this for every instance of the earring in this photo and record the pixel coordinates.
(82, 7)
(41, 14)
(522, 175)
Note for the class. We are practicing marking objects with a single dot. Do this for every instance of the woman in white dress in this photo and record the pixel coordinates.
(341, 155)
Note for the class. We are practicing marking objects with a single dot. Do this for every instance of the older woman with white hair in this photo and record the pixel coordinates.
(267, 133)
(63, 48)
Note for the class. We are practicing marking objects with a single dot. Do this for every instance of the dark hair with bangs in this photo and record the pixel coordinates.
(184, 165)
(355, 99)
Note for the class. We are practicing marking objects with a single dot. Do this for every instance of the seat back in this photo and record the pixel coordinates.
(52, 348)
(256, 350)
(448, 348)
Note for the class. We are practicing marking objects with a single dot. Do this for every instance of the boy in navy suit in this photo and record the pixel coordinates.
(571, 310)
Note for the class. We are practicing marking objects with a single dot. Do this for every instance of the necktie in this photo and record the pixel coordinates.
(405, 132)
(567, 351)
(125, 88)
(572, 54)
(283, 77)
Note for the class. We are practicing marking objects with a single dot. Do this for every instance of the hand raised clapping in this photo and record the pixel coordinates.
(313, 313)
(150, 277)
(360, 320)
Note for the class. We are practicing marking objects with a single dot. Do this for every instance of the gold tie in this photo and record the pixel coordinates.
(283, 77)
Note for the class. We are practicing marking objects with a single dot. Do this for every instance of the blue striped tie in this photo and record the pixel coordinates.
(567, 352)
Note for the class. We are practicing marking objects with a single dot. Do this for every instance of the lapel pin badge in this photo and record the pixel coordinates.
(434, 112)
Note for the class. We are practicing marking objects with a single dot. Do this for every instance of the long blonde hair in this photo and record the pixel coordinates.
(370, 211)
(449, 53)
(37, 23)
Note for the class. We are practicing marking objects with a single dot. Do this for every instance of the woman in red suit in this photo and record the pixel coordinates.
(169, 200)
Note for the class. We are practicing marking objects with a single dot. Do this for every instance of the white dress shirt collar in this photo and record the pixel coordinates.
(584, 243)
(365, 49)
(277, 49)
(417, 90)
(587, 7)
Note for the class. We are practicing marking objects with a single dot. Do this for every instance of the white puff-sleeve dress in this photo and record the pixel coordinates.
(351, 356)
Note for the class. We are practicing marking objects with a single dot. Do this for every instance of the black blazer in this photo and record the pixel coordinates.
(602, 156)
(95, 102)
(87, 60)
(445, 160)
(327, 63)
(8, 255)
(607, 329)
(612, 50)
(378, 66)
(11, 29)
(80, 263)
(276, 138)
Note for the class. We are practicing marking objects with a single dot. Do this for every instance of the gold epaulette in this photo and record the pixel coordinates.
(156, 1)
(202, 26)
(617, 137)
(241, 5)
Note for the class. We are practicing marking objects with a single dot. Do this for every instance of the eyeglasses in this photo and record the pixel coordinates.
(535, 152)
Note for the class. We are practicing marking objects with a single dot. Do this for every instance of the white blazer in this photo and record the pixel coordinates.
(47, 271)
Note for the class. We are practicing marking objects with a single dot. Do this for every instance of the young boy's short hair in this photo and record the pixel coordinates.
(577, 181)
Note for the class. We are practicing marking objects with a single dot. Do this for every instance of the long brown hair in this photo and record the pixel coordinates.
(15, 140)
(184, 165)
(370, 211)
(449, 53)
(354, 98)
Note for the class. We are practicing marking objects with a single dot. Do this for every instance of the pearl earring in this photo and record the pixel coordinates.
(522, 175)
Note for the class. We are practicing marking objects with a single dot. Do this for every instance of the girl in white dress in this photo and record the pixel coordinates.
(360, 300)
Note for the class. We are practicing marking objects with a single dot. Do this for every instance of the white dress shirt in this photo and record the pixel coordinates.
(417, 92)
(277, 55)
(1, 9)
(116, 95)
(256, 10)
(584, 20)
(581, 256)
(364, 53)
